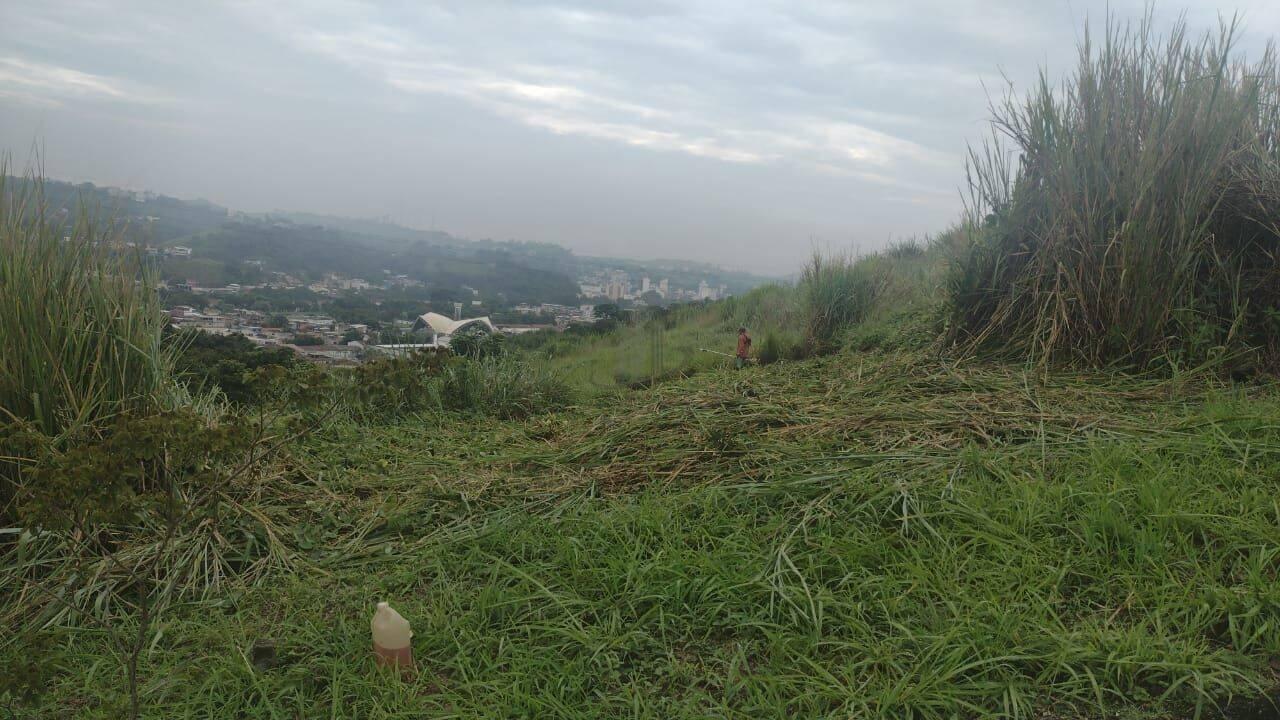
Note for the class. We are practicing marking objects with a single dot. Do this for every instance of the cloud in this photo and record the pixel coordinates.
(48, 84)
(572, 97)
(693, 123)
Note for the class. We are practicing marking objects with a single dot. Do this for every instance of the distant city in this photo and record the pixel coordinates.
(321, 337)
(341, 289)
(616, 285)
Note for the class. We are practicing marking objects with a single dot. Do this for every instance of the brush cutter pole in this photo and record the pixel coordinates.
(751, 361)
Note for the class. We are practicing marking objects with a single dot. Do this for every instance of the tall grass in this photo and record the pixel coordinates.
(80, 325)
(502, 386)
(769, 307)
(79, 322)
(1141, 219)
(837, 292)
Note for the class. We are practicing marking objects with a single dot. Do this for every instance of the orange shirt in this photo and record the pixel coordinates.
(744, 345)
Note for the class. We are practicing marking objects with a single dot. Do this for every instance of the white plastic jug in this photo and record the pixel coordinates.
(391, 637)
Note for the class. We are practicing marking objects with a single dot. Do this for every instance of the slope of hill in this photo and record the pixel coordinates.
(1027, 469)
(863, 535)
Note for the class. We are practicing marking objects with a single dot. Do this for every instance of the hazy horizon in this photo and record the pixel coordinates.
(740, 135)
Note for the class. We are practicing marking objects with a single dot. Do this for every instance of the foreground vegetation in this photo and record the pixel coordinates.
(953, 487)
(879, 535)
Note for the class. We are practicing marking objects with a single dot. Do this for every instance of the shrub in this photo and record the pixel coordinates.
(226, 362)
(499, 386)
(502, 387)
(838, 292)
(909, 248)
(1142, 221)
(127, 517)
(770, 349)
(778, 345)
(478, 344)
(394, 386)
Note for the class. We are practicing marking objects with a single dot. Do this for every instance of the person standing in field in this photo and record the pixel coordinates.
(744, 349)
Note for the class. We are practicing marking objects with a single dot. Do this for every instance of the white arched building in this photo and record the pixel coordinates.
(441, 328)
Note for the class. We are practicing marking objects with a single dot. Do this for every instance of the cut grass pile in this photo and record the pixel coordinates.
(853, 536)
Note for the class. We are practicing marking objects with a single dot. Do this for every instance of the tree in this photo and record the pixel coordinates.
(226, 361)
(173, 298)
(608, 311)
(442, 296)
(653, 299)
(352, 336)
(477, 344)
(276, 321)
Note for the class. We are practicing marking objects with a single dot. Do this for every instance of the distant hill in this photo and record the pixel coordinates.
(545, 256)
(311, 252)
(149, 217)
(233, 246)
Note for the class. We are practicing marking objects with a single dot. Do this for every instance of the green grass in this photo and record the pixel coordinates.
(649, 349)
(80, 326)
(881, 531)
(1140, 223)
(861, 535)
(888, 299)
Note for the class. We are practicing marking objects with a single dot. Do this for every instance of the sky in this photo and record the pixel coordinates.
(741, 132)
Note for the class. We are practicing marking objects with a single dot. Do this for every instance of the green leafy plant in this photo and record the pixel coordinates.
(123, 503)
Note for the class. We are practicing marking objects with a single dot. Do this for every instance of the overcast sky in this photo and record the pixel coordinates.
(740, 132)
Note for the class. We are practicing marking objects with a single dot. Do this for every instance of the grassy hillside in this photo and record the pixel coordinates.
(892, 299)
(649, 348)
(991, 474)
(874, 535)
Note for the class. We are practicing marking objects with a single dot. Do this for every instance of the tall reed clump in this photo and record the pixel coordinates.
(501, 386)
(838, 292)
(80, 325)
(771, 306)
(1141, 224)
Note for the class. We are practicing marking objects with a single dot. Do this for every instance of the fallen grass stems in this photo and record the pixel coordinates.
(856, 535)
